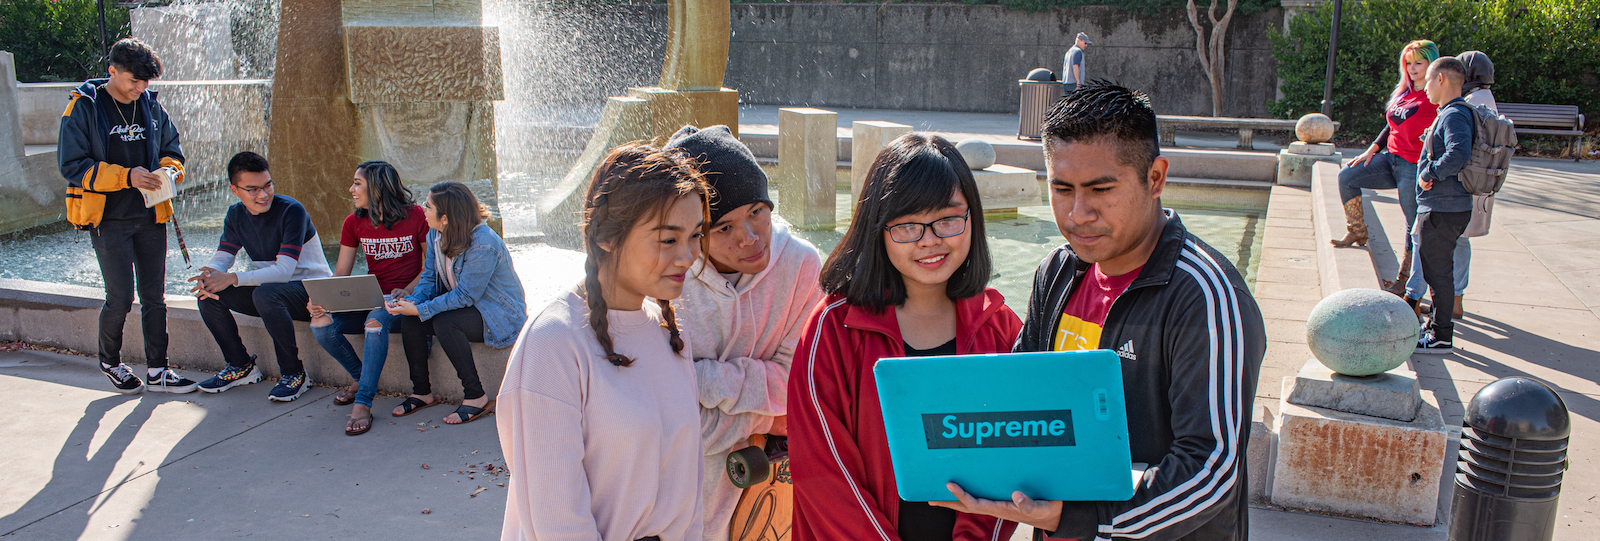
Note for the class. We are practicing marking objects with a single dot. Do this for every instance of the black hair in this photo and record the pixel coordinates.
(135, 57)
(245, 162)
(388, 199)
(1101, 108)
(1455, 71)
(916, 173)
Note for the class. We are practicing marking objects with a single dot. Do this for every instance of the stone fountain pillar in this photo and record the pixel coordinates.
(405, 81)
(691, 92)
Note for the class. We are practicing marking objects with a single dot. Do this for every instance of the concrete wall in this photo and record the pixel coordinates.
(66, 316)
(968, 58)
(904, 56)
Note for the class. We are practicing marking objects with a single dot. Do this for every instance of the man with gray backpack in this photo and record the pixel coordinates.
(1466, 152)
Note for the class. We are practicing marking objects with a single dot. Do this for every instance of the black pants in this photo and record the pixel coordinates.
(456, 330)
(1439, 233)
(278, 305)
(132, 255)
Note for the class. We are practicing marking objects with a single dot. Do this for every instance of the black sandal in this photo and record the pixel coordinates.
(412, 404)
(469, 414)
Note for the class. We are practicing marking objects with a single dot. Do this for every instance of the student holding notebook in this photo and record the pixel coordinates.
(909, 279)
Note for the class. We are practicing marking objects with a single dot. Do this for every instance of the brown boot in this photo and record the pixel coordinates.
(1458, 311)
(1355, 224)
(1398, 286)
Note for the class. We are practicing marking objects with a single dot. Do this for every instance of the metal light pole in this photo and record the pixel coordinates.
(1333, 51)
(105, 53)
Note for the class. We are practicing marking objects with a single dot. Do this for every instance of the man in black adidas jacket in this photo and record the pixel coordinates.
(1191, 338)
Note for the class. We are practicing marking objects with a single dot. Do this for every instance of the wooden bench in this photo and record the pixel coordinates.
(1558, 120)
(1169, 124)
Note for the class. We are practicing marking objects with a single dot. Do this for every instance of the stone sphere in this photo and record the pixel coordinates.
(1314, 128)
(978, 153)
(1361, 332)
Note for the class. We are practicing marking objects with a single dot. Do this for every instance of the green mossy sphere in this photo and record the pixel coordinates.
(1361, 332)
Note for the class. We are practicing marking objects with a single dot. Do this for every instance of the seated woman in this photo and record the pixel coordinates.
(909, 279)
(389, 229)
(468, 292)
(599, 416)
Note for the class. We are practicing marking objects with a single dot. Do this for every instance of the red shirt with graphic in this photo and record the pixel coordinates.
(1408, 117)
(1085, 314)
(394, 254)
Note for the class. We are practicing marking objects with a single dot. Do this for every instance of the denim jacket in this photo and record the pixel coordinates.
(484, 278)
(1447, 150)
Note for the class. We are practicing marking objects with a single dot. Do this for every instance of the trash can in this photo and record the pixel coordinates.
(1039, 91)
(1513, 454)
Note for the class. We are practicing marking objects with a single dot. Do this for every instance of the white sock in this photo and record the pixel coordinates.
(153, 372)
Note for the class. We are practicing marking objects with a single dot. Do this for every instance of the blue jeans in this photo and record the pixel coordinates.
(375, 350)
(1385, 172)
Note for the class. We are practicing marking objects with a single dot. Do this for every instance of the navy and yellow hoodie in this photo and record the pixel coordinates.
(82, 146)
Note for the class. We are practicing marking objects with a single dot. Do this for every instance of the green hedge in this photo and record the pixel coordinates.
(58, 40)
(1544, 51)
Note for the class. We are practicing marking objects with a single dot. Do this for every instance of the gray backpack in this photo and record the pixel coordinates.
(1493, 140)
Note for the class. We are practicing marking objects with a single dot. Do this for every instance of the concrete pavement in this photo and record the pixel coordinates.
(81, 462)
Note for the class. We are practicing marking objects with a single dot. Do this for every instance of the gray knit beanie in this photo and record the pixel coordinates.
(728, 165)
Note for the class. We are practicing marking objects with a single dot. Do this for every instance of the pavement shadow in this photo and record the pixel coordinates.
(1501, 337)
(66, 488)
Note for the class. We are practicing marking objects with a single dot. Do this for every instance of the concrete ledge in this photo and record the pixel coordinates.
(1339, 268)
(67, 316)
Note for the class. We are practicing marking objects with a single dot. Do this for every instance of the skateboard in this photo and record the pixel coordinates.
(767, 506)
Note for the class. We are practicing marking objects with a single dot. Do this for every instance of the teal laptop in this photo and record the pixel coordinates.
(1053, 425)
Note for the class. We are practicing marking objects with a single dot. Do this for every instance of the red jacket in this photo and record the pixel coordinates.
(844, 485)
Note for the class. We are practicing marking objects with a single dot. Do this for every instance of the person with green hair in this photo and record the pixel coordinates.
(1391, 161)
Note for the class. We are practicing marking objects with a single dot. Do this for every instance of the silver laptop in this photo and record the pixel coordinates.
(345, 293)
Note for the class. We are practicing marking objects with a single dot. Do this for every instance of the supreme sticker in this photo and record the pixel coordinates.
(1051, 428)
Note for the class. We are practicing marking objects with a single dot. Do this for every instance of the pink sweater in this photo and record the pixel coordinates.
(597, 451)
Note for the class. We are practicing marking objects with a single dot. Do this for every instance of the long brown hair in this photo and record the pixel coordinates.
(635, 182)
(454, 201)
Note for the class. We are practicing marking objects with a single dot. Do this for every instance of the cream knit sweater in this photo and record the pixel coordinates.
(744, 335)
(597, 451)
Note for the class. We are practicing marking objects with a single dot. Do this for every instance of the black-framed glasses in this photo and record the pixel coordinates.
(253, 191)
(943, 228)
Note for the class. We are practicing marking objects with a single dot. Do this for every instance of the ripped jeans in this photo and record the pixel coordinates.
(374, 351)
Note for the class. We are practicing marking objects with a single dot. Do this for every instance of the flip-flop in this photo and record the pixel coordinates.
(412, 404)
(469, 414)
(348, 431)
(344, 397)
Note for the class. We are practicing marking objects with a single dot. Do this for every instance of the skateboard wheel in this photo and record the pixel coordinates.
(748, 466)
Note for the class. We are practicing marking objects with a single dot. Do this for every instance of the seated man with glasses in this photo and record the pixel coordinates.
(277, 234)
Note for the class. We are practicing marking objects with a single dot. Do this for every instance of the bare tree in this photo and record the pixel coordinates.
(1213, 59)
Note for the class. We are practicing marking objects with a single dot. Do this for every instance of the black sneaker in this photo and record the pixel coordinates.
(122, 378)
(232, 376)
(167, 381)
(1430, 345)
(289, 387)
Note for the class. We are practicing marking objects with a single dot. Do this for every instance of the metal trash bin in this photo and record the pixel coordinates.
(1513, 454)
(1039, 91)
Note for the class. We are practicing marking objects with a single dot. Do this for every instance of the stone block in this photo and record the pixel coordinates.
(11, 138)
(1311, 149)
(409, 64)
(31, 192)
(1258, 455)
(1357, 465)
(1005, 188)
(1391, 395)
(808, 155)
(867, 139)
(310, 140)
(1295, 169)
(674, 109)
(431, 142)
(559, 213)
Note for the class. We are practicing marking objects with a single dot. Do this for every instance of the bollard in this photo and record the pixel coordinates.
(1513, 454)
(1039, 92)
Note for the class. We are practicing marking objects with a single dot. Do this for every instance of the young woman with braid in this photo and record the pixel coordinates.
(1391, 161)
(598, 413)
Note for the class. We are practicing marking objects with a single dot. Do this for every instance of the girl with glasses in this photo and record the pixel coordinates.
(909, 279)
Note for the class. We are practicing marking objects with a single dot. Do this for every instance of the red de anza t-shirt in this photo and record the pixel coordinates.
(394, 255)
